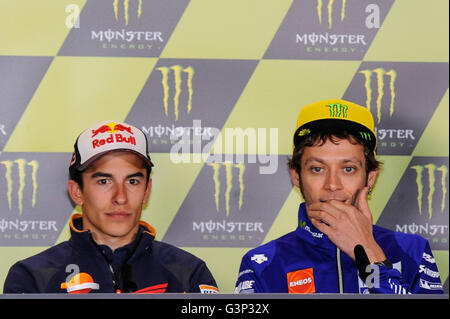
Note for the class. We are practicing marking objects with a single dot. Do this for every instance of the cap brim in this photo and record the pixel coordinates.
(333, 126)
(85, 165)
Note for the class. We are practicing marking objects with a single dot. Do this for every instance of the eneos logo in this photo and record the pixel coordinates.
(301, 281)
(81, 283)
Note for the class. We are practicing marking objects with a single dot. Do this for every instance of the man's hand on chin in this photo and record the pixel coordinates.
(347, 225)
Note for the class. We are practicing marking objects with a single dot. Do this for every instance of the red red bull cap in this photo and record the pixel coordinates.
(106, 137)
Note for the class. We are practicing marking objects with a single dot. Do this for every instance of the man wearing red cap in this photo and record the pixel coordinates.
(110, 250)
(336, 248)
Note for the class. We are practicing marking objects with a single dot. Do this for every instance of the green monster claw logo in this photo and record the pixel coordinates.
(177, 78)
(330, 11)
(22, 172)
(365, 136)
(380, 73)
(229, 183)
(126, 5)
(338, 110)
(431, 169)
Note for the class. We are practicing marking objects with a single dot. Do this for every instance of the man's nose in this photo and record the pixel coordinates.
(120, 194)
(333, 181)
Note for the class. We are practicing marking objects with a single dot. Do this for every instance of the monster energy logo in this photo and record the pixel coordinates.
(177, 79)
(229, 183)
(379, 73)
(126, 6)
(21, 165)
(431, 169)
(338, 110)
(302, 224)
(330, 11)
(365, 136)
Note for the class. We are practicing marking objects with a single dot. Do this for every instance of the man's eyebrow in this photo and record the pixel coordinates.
(102, 174)
(314, 159)
(353, 160)
(138, 174)
(347, 160)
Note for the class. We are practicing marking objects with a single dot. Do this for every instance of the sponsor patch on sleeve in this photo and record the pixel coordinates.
(245, 287)
(207, 289)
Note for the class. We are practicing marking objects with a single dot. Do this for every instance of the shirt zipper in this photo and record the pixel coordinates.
(115, 277)
(339, 270)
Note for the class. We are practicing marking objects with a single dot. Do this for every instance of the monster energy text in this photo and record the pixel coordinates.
(126, 36)
(16, 229)
(331, 39)
(227, 227)
(27, 225)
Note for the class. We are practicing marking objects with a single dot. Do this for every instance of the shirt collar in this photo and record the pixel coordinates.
(83, 238)
(307, 231)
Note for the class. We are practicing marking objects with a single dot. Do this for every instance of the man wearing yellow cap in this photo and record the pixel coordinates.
(336, 248)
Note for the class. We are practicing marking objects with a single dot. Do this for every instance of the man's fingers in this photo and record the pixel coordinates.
(362, 203)
(321, 226)
(323, 212)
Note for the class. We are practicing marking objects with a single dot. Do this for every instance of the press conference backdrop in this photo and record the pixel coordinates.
(210, 74)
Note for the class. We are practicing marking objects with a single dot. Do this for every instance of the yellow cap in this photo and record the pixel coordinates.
(336, 115)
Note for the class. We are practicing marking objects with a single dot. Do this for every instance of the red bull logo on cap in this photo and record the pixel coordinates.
(115, 131)
(111, 128)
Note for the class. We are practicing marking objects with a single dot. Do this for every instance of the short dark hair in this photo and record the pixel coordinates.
(321, 138)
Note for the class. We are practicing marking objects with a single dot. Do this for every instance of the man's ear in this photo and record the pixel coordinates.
(294, 177)
(372, 177)
(75, 192)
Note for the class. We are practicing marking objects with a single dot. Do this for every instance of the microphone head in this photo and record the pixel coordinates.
(362, 261)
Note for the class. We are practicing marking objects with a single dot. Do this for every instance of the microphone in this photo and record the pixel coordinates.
(362, 261)
(128, 279)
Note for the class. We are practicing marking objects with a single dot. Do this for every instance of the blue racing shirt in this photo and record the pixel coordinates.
(306, 261)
